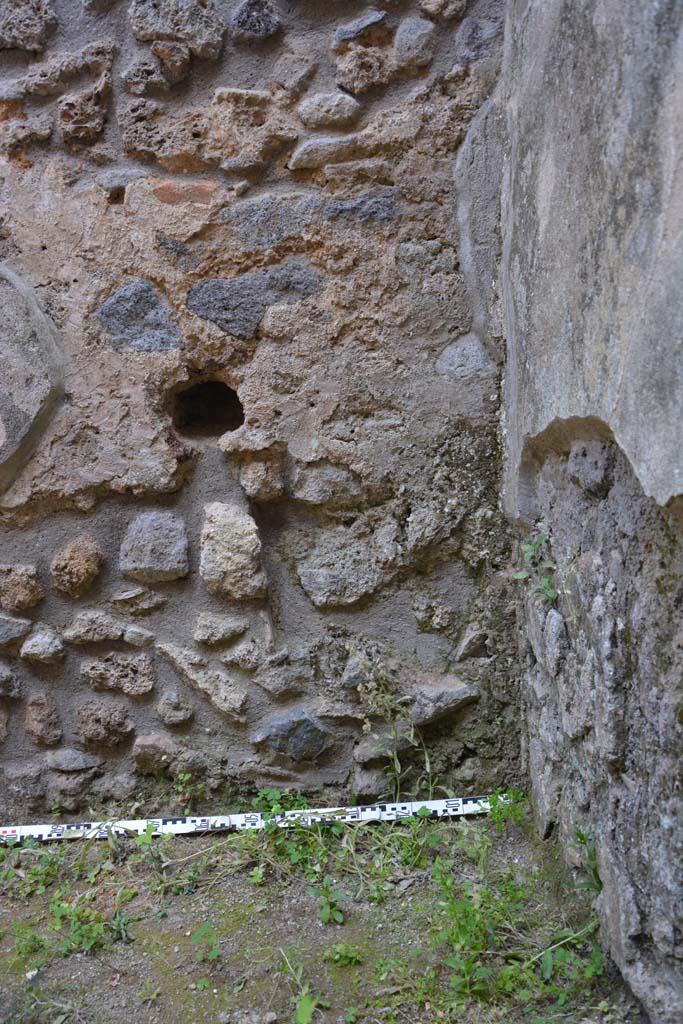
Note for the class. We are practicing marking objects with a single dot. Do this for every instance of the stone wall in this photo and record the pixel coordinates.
(249, 429)
(590, 280)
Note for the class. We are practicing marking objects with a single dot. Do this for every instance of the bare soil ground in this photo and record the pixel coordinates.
(440, 921)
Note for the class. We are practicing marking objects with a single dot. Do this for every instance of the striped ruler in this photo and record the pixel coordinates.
(456, 807)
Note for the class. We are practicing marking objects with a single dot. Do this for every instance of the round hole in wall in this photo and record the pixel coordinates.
(207, 408)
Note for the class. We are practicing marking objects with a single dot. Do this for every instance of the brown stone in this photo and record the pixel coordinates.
(76, 567)
(132, 674)
(20, 587)
(42, 720)
(103, 723)
(81, 116)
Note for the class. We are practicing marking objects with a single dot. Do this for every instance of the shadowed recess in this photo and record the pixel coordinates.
(206, 409)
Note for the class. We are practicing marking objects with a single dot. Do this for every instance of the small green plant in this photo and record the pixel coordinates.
(329, 911)
(83, 929)
(28, 944)
(306, 1000)
(343, 954)
(205, 941)
(257, 874)
(203, 984)
(187, 792)
(271, 801)
(398, 735)
(149, 993)
(507, 806)
(117, 925)
(593, 882)
(538, 569)
(145, 840)
(474, 839)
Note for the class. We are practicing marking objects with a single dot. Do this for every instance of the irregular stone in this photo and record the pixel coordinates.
(43, 645)
(68, 791)
(139, 600)
(230, 559)
(441, 696)
(196, 23)
(42, 720)
(136, 636)
(81, 117)
(4, 723)
(26, 24)
(224, 693)
(268, 220)
(443, 9)
(238, 304)
(348, 564)
(262, 478)
(355, 673)
(76, 567)
(465, 358)
(473, 642)
(317, 152)
(368, 784)
(364, 67)
(103, 723)
(247, 656)
(69, 760)
(260, 462)
(145, 76)
(117, 786)
(254, 20)
(356, 29)
(51, 77)
(10, 688)
(342, 569)
(131, 674)
(173, 710)
(414, 43)
(296, 734)
(32, 371)
(323, 483)
(155, 549)
(12, 629)
(175, 58)
(18, 133)
(214, 629)
(24, 781)
(137, 317)
(285, 681)
(329, 110)
(377, 205)
(293, 72)
(20, 587)
(240, 131)
(93, 626)
(154, 753)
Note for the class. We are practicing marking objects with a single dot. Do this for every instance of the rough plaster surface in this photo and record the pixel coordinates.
(603, 699)
(191, 196)
(593, 240)
(590, 282)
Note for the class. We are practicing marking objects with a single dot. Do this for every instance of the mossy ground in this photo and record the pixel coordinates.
(443, 921)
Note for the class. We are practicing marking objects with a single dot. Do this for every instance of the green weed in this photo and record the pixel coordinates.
(205, 941)
(538, 569)
(343, 954)
(306, 999)
(329, 911)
